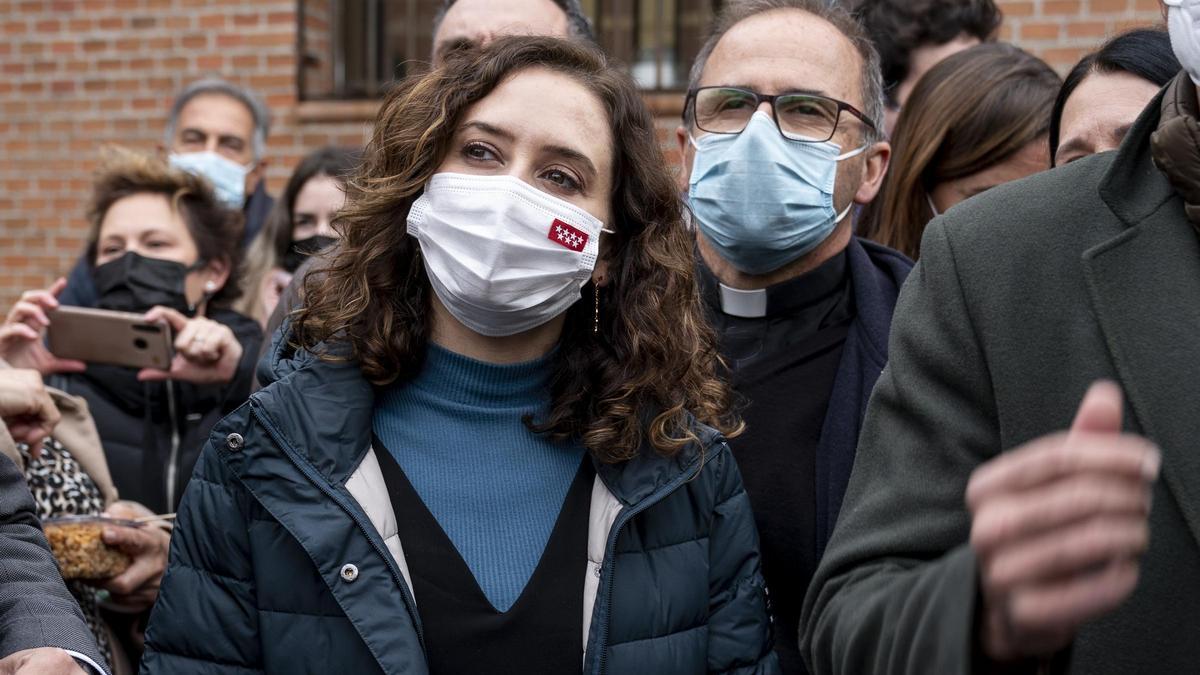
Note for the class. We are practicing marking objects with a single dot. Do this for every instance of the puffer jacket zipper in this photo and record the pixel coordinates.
(598, 664)
(365, 528)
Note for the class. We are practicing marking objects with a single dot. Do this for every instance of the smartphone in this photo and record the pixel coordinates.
(104, 336)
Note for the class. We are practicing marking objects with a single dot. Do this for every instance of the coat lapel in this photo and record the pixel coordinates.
(1145, 291)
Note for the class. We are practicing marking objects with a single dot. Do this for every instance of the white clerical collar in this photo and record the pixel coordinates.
(743, 304)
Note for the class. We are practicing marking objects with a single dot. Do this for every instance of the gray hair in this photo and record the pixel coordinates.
(216, 85)
(872, 78)
(578, 24)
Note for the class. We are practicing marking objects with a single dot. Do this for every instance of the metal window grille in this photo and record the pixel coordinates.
(352, 49)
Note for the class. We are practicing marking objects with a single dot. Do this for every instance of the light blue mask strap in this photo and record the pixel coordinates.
(853, 153)
(843, 214)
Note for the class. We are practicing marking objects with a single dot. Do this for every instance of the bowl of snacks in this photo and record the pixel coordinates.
(79, 547)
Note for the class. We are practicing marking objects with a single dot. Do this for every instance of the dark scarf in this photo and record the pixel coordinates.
(1176, 143)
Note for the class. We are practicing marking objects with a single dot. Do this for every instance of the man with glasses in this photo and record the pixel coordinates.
(780, 140)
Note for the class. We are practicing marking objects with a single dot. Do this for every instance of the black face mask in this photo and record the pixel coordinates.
(135, 283)
(302, 249)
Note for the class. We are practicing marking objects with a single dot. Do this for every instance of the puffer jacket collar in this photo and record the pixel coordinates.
(325, 410)
(325, 414)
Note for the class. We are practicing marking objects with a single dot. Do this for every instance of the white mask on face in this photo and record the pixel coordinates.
(501, 255)
(1183, 22)
(227, 176)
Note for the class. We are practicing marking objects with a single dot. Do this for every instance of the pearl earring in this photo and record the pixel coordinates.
(210, 286)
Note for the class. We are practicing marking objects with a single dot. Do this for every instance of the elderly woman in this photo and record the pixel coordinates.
(459, 466)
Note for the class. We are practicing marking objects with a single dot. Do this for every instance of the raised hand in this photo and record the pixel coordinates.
(1058, 527)
(21, 336)
(206, 352)
(26, 408)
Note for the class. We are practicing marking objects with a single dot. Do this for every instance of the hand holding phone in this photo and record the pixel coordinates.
(108, 337)
(206, 352)
(21, 336)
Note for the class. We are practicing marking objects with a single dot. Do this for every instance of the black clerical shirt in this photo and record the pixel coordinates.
(784, 359)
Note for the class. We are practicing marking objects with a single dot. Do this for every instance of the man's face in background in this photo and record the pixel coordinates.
(473, 23)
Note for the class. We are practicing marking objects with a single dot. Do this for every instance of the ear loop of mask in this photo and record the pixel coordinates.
(844, 156)
(932, 206)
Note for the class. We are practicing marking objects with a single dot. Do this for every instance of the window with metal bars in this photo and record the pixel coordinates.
(352, 49)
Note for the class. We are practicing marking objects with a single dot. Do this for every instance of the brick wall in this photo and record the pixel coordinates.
(1061, 31)
(76, 74)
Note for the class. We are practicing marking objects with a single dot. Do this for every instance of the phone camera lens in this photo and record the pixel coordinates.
(140, 343)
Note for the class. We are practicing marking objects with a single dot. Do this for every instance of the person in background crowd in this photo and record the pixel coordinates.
(43, 630)
(779, 142)
(912, 36)
(462, 24)
(478, 378)
(160, 244)
(976, 120)
(216, 130)
(1106, 91)
(978, 537)
(300, 225)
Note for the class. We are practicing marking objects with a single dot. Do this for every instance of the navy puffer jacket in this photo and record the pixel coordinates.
(285, 556)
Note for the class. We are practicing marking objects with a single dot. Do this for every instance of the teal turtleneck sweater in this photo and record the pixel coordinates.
(495, 487)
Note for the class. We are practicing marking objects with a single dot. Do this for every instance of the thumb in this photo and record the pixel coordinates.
(1101, 410)
(127, 539)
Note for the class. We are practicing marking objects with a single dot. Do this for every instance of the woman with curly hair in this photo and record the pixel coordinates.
(459, 466)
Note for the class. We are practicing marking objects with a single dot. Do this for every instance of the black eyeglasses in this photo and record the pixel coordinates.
(807, 118)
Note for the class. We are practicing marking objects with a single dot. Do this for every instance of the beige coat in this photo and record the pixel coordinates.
(77, 432)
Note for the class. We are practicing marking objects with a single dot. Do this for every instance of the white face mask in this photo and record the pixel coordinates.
(1183, 23)
(501, 255)
(227, 176)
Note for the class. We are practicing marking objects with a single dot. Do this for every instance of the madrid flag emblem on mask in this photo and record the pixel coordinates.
(567, 236)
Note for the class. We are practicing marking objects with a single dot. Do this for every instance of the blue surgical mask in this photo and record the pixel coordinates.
(762, 200)
(227, 176)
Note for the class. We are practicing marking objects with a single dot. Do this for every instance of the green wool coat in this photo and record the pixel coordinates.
(1023, 297)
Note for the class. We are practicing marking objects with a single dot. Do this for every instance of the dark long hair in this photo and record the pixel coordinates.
(653, 362)
(971, 111)
(334, 162)
(1142, 52)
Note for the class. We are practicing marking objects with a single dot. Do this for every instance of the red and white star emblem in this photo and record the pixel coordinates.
(567, 236)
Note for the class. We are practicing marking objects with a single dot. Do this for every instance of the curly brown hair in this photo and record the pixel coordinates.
(651, 367)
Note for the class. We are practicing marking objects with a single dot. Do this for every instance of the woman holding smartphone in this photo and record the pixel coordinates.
(493, 440)
(160, 245)
(163, 246)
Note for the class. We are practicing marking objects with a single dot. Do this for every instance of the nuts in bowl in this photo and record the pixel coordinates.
(80, 550)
